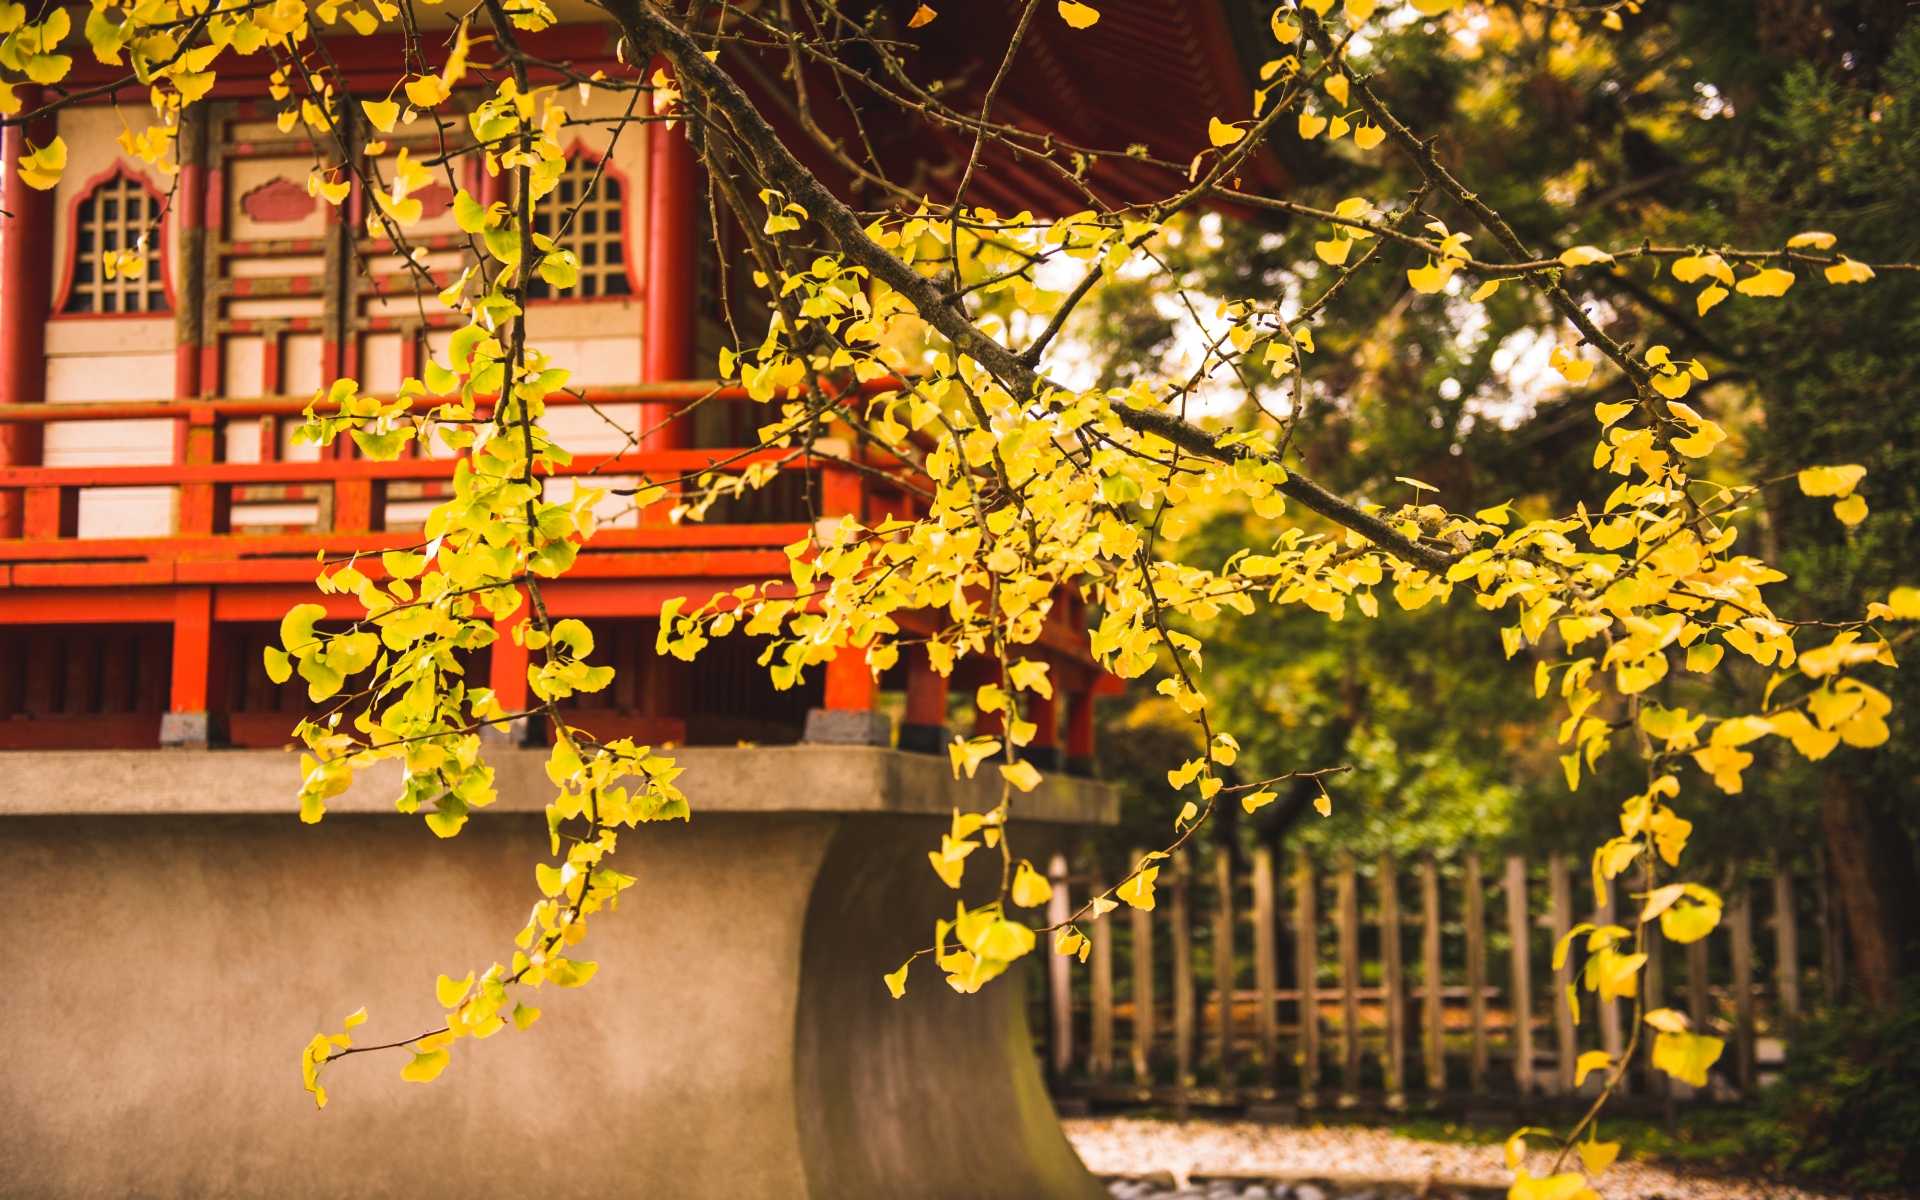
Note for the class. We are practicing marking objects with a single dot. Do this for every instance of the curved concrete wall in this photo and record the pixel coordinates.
(165, 970)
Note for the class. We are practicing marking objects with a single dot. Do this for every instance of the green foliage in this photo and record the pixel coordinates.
(1847, 1105)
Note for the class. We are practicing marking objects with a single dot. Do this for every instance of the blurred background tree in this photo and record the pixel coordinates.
(1695, 124)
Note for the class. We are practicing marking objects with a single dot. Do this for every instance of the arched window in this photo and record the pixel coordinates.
(598, 233)
(113, 217)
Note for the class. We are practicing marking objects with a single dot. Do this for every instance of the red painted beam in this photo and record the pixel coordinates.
(297, 549)
(670, 392)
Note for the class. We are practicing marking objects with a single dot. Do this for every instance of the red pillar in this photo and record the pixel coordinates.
(26, 296)
(1044, 750)
(189, 253)
(1080, 732)
(508, 675)
(189, 723)
(672, 250)
(925, 726)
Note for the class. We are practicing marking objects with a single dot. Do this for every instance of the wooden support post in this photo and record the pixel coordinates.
(1740, 929)
(1307, 972)
(1347, 913)
(1223, 964)
(1182, 917)
(1142, 988)
(671, 263)
(1436, 1022)
(1265, 967)
(26, 298)
(1476, 917)
(1786, 945)
(1520, 976)
(1393, 1062)
(1100, 1035)
(1060, 973)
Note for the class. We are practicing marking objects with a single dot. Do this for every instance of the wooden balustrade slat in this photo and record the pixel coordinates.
(1060, 971)
(1435, 1017)
(1609, 1010)
(1393, 983)
(1182, 918)
(1100, 1032)
(1223, 964)
(1786, 945)
(1142, 987)
(1560, 918)
(1520, 974)
(1476, 919)
(1264, 973)
(1347, 916)
(1307, 968)
(1740, 929)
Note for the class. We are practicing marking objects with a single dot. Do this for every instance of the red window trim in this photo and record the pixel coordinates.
(167, 240)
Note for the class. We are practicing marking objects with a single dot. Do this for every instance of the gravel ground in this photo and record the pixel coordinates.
(1248, 1160)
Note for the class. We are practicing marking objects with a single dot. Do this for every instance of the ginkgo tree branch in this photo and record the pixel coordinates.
(647, 26)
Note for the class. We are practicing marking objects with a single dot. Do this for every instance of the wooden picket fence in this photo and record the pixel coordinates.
(1421, 982)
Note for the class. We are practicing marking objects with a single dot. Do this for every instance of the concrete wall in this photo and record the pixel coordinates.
(173, 945)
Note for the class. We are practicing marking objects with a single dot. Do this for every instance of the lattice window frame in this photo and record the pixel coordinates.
(600, 234)
(92, 231)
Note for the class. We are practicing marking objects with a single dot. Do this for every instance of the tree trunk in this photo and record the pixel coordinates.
(1872, 868)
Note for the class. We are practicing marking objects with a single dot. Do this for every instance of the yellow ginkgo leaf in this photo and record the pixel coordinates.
(1333, 252)
(1358, 11)
(1686, 1056)
(1368, 136)
(383, 113)
(1831, 481)
(426, 93)
(1612, 20)
(425, 1068)
(1222, 134)
(1848, 271)
(1285, 31)
(1770, 282)
(1688, 269)
(1671, 386)
(1138, 891)
(1591, 1061)
(1433, 8)
(1573, 370)
(1581, 256)
(1021, 775)
(1030, 888)
(1598, 1156)
(1816, 239)
(1484, 290)
(1077, 14)
(921, 16)
(1852, 510)
(1337, 128)
(1431, 278)
(1323, 804)
(1311, 125)
(1710, 297)
(41, 169)
(1336, 86)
